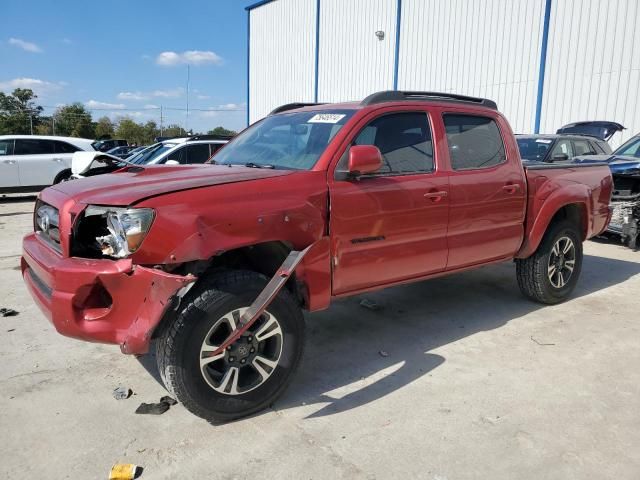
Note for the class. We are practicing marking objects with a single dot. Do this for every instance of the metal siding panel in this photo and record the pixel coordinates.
(281, 55)
(592, 64)
(353, 62)
(488, 48)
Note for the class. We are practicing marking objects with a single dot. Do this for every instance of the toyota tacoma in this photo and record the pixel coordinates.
(215, 264)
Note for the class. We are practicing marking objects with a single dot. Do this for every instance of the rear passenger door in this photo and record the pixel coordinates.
(487, 198)
(390, 225)
(38, 163)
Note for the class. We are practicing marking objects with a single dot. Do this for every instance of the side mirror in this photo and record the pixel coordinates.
(560, 157)
(172, 162)
(364, 159)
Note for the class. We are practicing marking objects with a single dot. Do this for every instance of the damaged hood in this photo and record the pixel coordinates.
(135, 183)
(82, 162)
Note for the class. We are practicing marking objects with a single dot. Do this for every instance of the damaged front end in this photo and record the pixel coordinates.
(625, 203)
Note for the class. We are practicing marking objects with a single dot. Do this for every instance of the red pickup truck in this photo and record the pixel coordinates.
(217, 262)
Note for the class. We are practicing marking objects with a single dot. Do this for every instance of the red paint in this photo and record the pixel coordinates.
(369, 233)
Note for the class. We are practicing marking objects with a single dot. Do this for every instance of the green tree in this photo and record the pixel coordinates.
(104, 128)
(221, 131)
(130, 131)
(150, 132)
(173, 131)
(74, 120)
(19, 112)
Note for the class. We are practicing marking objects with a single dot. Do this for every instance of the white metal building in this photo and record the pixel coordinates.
(545, 62)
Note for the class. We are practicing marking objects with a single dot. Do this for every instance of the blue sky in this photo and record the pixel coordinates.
(126, 58)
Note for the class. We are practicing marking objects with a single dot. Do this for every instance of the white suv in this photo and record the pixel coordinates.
(176, 151)
(181, 151)
(32, 162)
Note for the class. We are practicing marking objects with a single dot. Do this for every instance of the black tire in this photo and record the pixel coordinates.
(63, 176)
(178, 348)
(533, 272)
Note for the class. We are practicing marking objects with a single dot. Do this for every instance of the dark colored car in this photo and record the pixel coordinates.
(625, 157)
(570, 141)
(121, 152)
(106, 145)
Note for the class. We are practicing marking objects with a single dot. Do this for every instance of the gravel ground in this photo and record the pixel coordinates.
(455, 378)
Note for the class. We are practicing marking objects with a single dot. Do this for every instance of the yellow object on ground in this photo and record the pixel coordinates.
(123, 471)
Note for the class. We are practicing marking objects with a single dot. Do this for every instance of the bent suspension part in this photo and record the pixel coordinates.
(265, 297)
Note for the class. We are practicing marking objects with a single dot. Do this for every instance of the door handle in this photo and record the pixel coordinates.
(511, 188)
(59, 160)
(10, 162)
(435, 196)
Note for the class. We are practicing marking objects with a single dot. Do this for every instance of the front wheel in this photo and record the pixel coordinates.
(551, 273)
(252, 372)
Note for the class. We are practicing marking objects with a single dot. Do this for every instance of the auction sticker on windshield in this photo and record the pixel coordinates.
(326, 118)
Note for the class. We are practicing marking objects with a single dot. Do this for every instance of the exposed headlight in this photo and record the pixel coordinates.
(127, 228)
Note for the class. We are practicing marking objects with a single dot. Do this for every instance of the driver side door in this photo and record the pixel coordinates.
(391, 225)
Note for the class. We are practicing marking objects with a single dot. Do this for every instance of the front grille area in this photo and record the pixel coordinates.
(47, 224)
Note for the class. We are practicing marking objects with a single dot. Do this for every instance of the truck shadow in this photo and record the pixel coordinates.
(388, 349)
(17, 198)
(355, 356)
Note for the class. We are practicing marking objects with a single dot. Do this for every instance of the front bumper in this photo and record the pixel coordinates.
(106, 301)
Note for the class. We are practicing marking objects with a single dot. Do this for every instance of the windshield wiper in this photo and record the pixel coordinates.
(258, 165)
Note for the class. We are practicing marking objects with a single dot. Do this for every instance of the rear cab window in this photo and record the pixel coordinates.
(474, 141)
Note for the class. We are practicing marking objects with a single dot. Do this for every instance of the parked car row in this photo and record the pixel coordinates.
(176, 151)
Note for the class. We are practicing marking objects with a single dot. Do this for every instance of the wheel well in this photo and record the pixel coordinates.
(264, 258)
(62, 175)
(575, 213)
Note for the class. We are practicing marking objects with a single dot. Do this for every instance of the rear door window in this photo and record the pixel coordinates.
(198, 153)
(474, 141)
(34, 147)
(582, 147)
(404, 139)
(64, 147)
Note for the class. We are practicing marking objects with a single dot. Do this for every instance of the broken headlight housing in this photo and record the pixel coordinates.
(121, 230)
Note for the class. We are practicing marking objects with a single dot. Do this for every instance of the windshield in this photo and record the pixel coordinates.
(150, 153)
(629, 149)
(292, 141)
(534, 149)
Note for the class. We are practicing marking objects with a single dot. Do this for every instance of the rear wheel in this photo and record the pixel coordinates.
(551, 273)
(252, 372)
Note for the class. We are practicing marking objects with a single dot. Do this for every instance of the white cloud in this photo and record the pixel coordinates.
(169, 93)
(104, 105)
(190, 57)
(38, 86)
(132, 96)
(151, 106)
(203, 97)
(26, 46)
(66, 41)
(138, 96)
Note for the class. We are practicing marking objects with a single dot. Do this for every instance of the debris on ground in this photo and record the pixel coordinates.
(168, 400)
(125, 471)
(156, 408)
(122, 393)
(11, 330)
(370, 305)
(540, 343)
(382, 353)
(8, 312)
